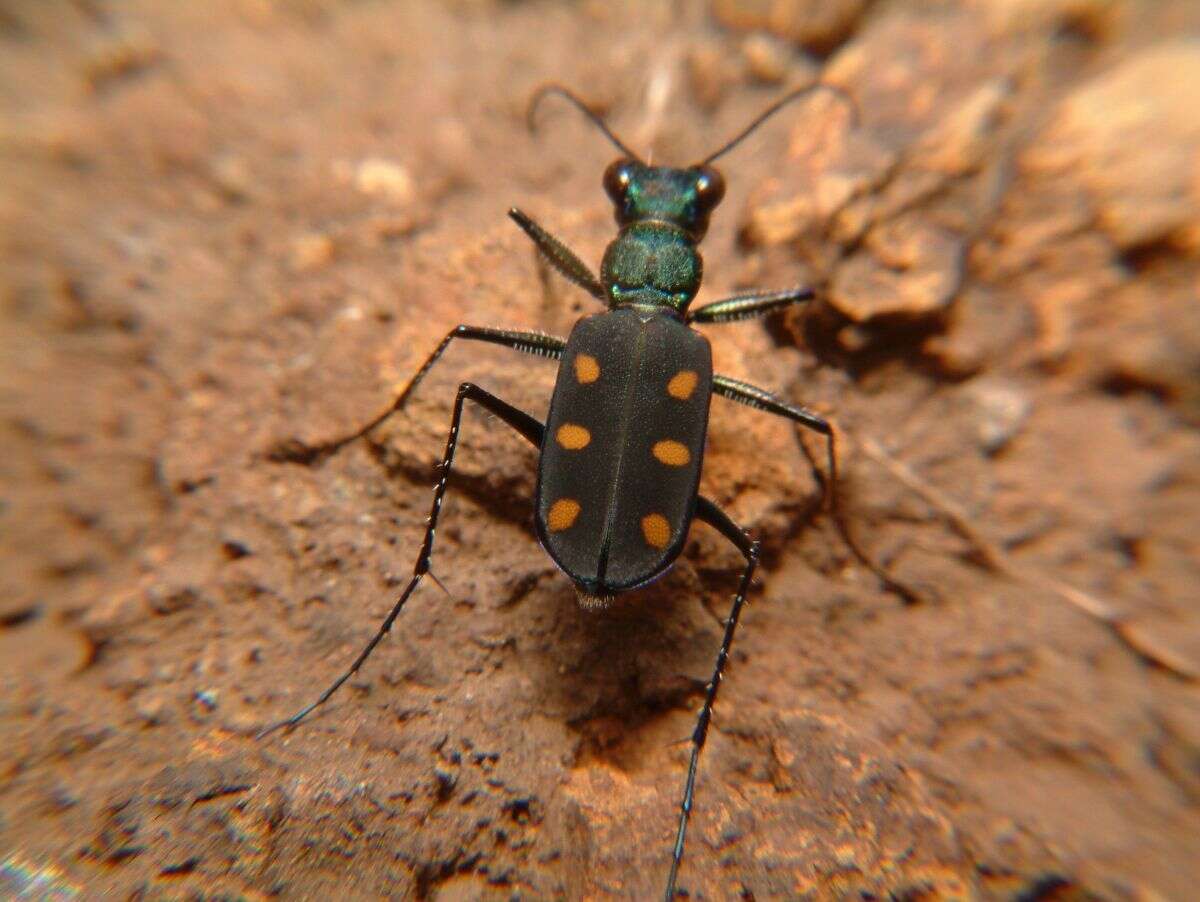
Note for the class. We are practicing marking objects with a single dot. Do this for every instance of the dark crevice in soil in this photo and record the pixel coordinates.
(1053, 888)
(886, 340)
(217, 792)
(20, 617)
(1122, 384)
(1150, 256)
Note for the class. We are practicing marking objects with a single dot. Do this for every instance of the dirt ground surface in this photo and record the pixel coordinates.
(233, 228)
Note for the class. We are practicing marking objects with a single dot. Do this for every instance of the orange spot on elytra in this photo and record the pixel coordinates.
(587, 369)
(657, 530)
(682, 384)
(562, 514)
(573, 436)
(671, 453)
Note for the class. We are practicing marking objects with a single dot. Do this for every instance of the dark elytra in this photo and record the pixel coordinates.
(628, 413)
(622, 448)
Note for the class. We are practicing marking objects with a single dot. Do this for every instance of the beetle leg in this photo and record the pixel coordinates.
(560, 256)
(761, 399)
(712, 515)
(748, 305)
(526, 342)
(523, 423)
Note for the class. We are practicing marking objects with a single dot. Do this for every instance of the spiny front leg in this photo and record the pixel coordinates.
(560, 256)
(749, 305)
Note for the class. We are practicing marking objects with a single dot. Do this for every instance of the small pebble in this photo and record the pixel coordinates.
(385, 179)
(1000, 409)
(311, 251)
(768, 59)
(151, 709)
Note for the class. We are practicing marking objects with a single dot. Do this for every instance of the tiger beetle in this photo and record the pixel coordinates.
(622, 446)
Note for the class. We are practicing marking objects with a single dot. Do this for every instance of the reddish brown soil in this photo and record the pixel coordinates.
(227, 228)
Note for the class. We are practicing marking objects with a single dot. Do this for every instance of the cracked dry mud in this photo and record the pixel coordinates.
(227, 227)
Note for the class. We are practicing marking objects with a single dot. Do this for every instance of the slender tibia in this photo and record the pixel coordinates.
(523, 423)
(760, 399)
(708, 512)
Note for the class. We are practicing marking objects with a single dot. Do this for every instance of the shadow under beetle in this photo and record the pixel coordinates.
(622, 446)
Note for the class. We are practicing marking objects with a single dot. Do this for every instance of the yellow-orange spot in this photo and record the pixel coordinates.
(671, 453)
(657, 530)
(682, 384)
(572, 436)
(562, 514)
(587, 368)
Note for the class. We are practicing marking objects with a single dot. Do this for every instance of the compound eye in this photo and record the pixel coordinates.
(617, 178)
(710, 187)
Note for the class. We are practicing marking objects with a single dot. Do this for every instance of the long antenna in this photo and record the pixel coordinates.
(776, 107)
(566, 94)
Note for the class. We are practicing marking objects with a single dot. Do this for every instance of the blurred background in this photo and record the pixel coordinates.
(229, 226)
